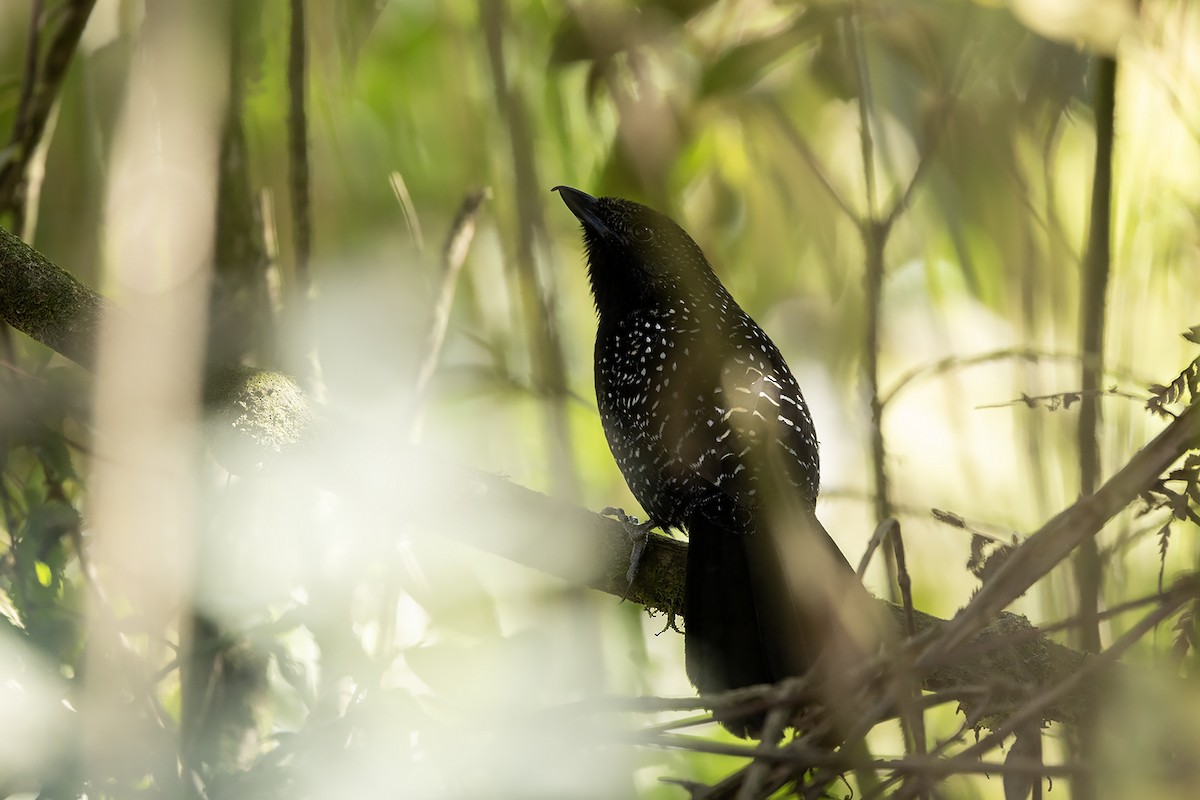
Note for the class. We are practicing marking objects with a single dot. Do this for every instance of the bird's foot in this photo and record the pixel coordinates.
(638, 533)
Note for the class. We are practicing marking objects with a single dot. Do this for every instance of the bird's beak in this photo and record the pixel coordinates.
(584, 206)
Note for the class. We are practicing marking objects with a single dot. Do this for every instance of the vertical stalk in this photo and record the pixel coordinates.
(875, 240)
(300, 191)
(874, 233)
(1092, 318)
(875, 230)
(38, 94)
(1087, 563)
(298, 146)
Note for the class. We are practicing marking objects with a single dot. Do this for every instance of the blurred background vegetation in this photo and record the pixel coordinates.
(899, 192)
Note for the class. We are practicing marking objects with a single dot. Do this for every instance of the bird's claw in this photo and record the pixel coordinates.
(639, 533)
(619, 514)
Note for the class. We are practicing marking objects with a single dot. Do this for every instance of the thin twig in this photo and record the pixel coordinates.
(932, 140)
(454, 255)
(29, 76)
(959, 764)
(914, 720)
(877, 539)
(924, 162)
(756, 775)
(862, 79)
(956, 362)
(998, 534)
(818, 169)
(1059, 537)
(903, 580)
(1058, 400)
(408, 209)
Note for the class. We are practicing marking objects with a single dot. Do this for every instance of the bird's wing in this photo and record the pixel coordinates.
(754, 424)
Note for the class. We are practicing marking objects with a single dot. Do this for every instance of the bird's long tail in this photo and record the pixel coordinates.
(723, 644)
(761, 607)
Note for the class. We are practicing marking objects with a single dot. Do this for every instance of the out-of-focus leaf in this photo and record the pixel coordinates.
(55, 455)
(1054, 76)
(524, 663)
(392, 711)
(593, 33)
(41, 538)
(444, 668)
(744, 65)
(1098, 25)
(598, 33)
(451, 593)
(680, 10)
(47, 605)
(69, 390)
(355, 19)
(293, 673)
(832, 65)
(922, 38)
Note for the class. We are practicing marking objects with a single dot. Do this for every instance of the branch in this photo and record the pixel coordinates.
(46, 303)
(39, 93)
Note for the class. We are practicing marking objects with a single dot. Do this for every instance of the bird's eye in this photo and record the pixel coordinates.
(643, 233)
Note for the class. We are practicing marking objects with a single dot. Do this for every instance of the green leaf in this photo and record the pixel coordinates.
(55, 455)
(42, 570)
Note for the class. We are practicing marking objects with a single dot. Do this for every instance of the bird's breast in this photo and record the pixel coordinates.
(643, 391)
(694, 410)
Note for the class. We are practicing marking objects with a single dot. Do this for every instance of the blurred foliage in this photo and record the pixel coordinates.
(327, 648)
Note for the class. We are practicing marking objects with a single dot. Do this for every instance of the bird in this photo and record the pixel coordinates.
(713, 437)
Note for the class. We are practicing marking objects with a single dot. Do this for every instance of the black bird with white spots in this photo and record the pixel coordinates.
(712, 434)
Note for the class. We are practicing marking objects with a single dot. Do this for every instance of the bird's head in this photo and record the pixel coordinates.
(636, 256)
